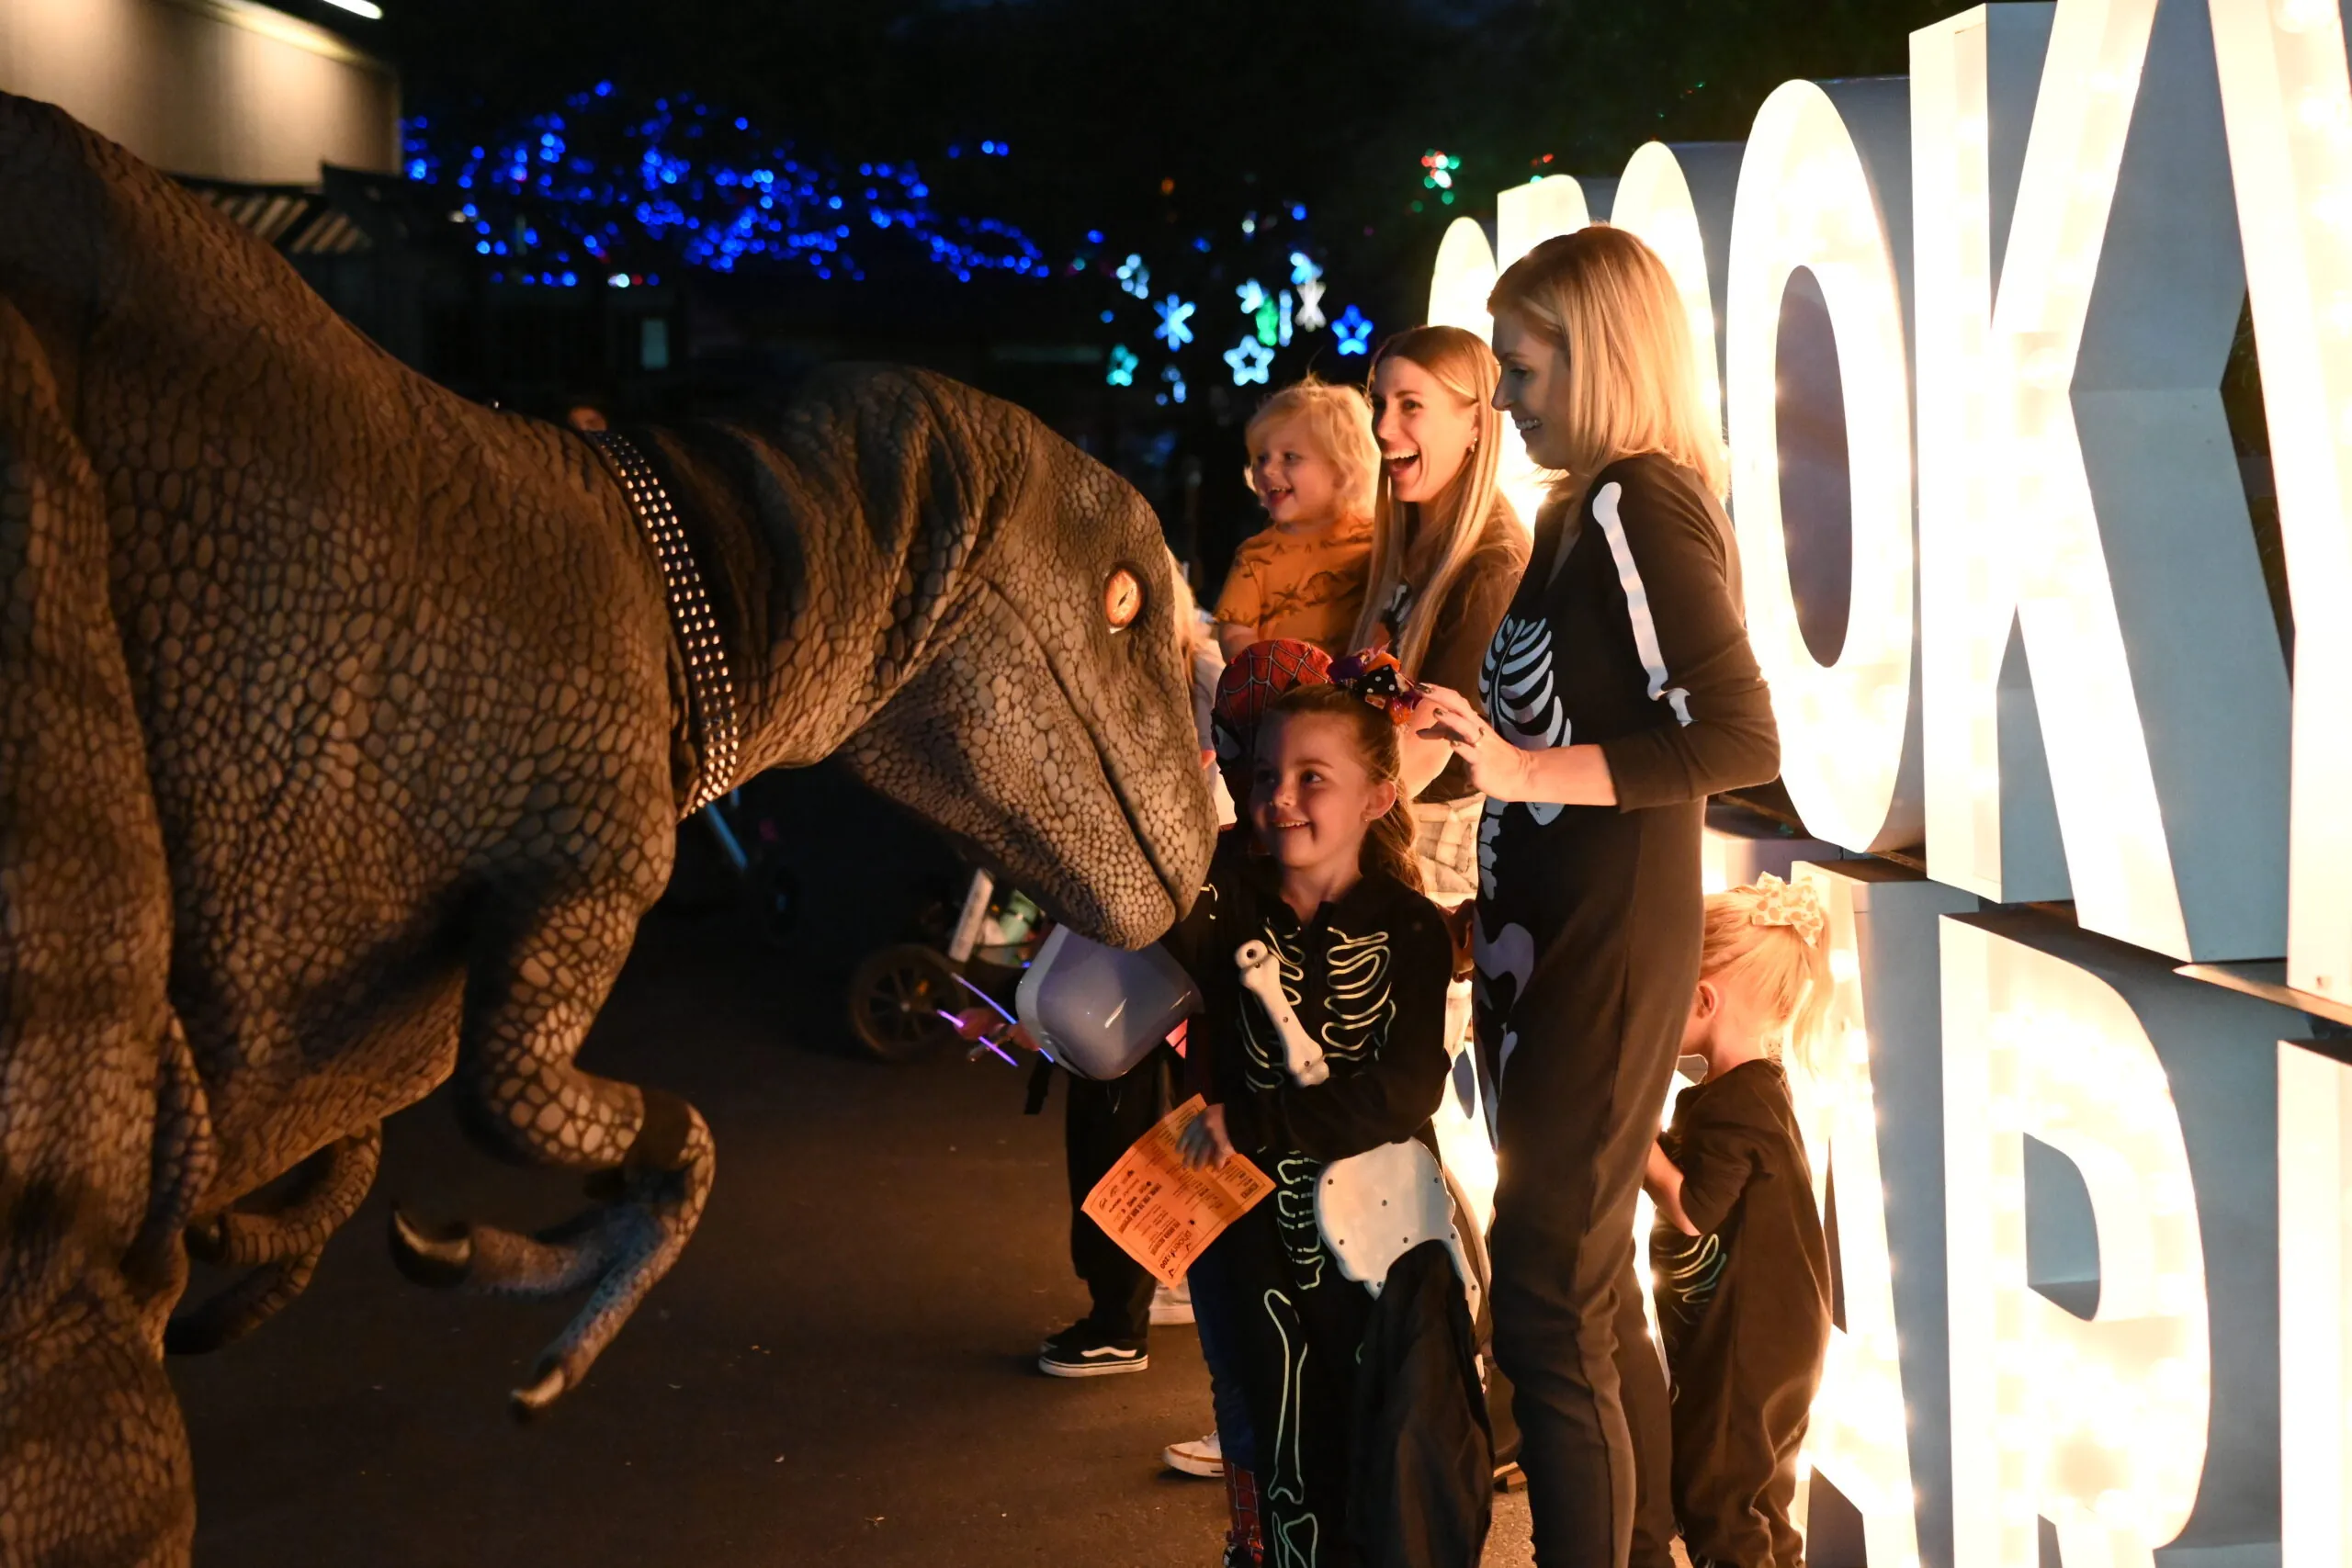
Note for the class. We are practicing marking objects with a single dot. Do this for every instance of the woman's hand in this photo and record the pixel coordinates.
(1498, 769)
(1552, 776)
(1204, 1143)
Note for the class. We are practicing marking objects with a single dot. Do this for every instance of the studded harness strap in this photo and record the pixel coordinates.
(710, 686)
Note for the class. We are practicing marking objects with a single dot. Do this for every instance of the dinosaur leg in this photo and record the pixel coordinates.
(649, 1154)
(94, 1463)
(280, 1242)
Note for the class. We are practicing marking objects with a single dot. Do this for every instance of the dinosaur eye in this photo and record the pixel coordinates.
(1122, 598)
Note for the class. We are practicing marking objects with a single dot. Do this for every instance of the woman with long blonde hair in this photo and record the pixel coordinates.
(1619, 692)
(1447, 552)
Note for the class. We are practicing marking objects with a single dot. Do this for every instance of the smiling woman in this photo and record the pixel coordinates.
(1618, 695)
(1447, 554)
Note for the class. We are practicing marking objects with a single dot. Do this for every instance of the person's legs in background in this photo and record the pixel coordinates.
(1103, 1123)
(1217, 1304)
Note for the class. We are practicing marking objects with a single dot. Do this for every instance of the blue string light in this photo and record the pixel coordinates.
(1251, 360)
(1353, 328)
(1173, 314)
(1122, 370)
(575, 192)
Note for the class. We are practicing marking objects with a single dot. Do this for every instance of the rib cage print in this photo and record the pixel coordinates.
(1516, 682)
(1523, 705)
(1356, 1023)
(1356, 1007)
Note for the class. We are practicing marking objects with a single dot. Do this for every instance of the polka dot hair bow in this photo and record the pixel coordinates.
(1796, 906)
(1374, 675)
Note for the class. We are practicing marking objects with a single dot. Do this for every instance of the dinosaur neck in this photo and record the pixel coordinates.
(788, 618)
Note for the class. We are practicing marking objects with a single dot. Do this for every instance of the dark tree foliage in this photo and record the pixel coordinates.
(1178, 115)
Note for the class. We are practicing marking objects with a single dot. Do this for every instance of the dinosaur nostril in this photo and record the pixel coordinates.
(1122, 598)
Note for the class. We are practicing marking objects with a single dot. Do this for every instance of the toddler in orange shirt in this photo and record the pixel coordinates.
(1312, 461)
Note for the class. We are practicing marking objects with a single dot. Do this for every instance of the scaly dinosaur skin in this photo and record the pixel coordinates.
(342, 741)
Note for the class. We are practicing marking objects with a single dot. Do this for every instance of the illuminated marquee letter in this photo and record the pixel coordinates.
(2098, 1425)
(1462, 277)
(1810, 198)
(1525, 216)
(2288, 108)
(2077, 483)
(2314, 1282)
(1679, 200)
(1858, 1440)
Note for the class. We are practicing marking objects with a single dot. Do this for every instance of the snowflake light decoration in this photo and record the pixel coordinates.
(1122, 371)
(1173, 314)
(1303, 270)
(1251, 360)
(1135, 277)
(1354, 331)
(1269, 322)
(1176, 387)
(1251, 294)
(1310, 305)
(1283, 325)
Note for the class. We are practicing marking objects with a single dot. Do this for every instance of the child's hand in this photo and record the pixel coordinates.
(1204, 1143)
(1663, 1181)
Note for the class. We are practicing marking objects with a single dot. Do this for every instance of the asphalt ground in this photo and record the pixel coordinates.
(839, 1369)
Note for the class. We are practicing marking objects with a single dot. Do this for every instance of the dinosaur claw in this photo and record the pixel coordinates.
(438, 1256)
(525, 1402)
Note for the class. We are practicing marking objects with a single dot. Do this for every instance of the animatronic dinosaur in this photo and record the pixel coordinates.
(343, 727)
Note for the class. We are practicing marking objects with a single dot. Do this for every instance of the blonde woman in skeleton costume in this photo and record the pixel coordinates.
(1618, 695)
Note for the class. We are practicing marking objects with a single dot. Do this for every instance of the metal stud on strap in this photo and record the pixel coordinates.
(710, 688)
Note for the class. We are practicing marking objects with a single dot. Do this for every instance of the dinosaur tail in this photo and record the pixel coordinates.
(93, 1459)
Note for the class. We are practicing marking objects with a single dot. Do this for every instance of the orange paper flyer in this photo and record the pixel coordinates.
(1161, 1213)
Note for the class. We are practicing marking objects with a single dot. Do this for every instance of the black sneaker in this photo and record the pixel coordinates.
(1082, 1351)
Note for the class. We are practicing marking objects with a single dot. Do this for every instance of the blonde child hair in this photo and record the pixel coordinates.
(1605, 301)
(1464, 366)
(1772, 938)
(1338, 422)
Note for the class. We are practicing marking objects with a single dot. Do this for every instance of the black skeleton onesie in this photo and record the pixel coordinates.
(1366, 978)
(1588, 952)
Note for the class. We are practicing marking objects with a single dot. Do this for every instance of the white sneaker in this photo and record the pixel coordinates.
(1172, 1306)
(1203, 1457)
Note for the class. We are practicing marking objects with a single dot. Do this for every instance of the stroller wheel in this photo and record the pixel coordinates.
(895, 1001)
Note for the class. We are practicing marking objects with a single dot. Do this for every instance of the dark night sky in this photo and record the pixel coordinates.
(1241, 103)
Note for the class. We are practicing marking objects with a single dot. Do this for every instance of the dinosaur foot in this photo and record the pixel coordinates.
(297, 1214)
(244, 1306)
(278, 1237)
(615, 1253)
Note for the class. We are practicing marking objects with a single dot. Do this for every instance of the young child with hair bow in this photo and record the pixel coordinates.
(1742, 1282)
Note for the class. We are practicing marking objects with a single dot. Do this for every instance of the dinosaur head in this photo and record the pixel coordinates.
(1042, 711)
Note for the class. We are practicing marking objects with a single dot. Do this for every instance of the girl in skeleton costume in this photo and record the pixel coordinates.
(1743, 1268)
(1618, 695)
(1362, 961)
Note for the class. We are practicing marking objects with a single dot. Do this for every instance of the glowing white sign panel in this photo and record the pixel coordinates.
(2098, 1425)
(2076, 482)
(1857, 1439)
(1658, 199)
(2314, 1282)
(2289, 111)
(1463, 276)
(1807, 200)
(1467, 265)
